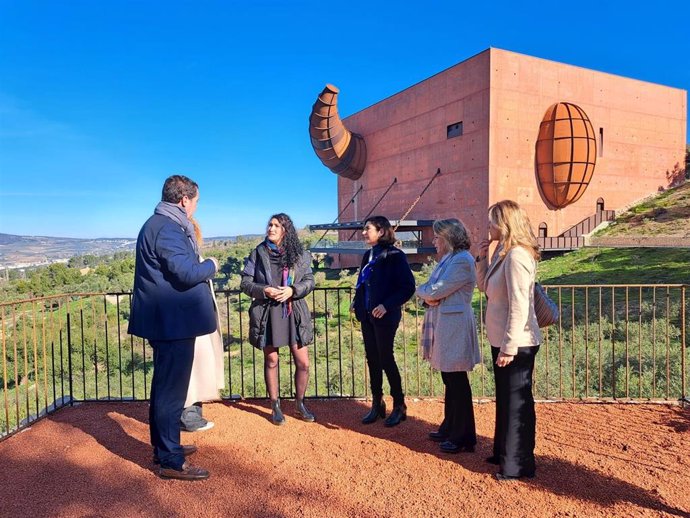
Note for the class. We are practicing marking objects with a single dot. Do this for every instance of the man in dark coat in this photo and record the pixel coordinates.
(172, 304)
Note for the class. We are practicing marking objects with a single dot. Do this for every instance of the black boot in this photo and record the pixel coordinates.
(302, 411)
(276, 413)
(398, 414)
(378, 409)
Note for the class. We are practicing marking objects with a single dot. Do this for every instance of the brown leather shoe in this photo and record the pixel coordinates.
(187, 450)
(188, 472)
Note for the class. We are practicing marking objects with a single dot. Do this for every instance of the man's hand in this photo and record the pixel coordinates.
(215, 263)
(378, 311)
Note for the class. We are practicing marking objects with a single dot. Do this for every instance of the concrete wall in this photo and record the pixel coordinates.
(644, 128)
(406, 138)
(501, 98)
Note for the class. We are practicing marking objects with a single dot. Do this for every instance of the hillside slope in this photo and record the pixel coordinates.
(665, 215)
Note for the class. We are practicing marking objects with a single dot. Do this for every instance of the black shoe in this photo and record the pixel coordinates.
(493, 460)
(276, 413)
(398, 415)
(508, 478)
(438, 436)
(302, 412)
(378, 409)
(451, 447)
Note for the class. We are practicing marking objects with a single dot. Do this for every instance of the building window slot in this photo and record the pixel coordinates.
(454, 130)
(601, 141)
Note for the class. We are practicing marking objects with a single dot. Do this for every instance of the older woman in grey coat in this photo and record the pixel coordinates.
(449, 338)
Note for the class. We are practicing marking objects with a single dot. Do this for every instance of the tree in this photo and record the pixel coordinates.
(676, 176)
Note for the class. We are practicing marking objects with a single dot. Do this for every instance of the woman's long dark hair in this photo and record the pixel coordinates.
(291, 246)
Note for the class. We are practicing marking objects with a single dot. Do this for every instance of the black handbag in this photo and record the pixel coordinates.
(545, 308)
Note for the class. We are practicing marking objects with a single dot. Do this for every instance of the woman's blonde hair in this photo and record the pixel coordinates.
(454, 232)
(514, 227)
(197, 233)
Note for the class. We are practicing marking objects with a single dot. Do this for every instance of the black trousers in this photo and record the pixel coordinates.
(378, 346)
(458, 419)
(515, 416)
(172, 368)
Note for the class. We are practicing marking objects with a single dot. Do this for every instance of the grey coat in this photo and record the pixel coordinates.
(455, 344)
(256, 276)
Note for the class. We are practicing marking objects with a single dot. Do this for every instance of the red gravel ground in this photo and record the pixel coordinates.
(592, 460)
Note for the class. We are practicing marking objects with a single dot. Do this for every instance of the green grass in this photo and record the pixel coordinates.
(618, 266)
(667, 214)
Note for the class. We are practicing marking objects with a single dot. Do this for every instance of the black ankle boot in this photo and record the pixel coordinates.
(276, 413)
(302, 411)
(378, 409)
(398, 414)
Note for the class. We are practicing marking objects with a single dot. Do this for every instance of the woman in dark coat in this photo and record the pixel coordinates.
(384, 284)
(277, 275)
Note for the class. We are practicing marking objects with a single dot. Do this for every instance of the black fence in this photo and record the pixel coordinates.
(622, 342)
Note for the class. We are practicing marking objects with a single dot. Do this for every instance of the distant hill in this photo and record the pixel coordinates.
(232, 239)
(8, 239)
(25, 251)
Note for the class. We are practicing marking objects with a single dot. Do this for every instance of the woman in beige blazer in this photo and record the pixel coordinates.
(449, 337)
(513, 332)
(208, 370)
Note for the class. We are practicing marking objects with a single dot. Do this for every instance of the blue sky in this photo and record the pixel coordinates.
(101, 100)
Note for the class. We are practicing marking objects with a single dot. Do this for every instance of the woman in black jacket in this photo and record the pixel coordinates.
(384, 284)
(277, 275)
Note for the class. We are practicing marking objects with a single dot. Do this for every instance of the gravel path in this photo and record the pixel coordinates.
(592, 460)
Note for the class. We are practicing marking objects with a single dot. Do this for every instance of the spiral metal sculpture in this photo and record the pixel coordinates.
(343, 152)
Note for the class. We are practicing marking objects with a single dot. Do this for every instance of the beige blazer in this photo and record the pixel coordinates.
(508, 282)
(208, 367)
(455, 346)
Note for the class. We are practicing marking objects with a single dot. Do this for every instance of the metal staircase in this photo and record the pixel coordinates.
(574, 237)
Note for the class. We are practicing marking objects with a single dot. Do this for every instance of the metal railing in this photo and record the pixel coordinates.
(574, 237)
(613, 342)
(548, 244)
(588, 224)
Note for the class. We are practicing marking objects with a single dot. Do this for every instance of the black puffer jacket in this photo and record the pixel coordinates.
(256, 276)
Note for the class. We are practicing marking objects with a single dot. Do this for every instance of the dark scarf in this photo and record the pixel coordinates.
(179, 216)
(287, 277)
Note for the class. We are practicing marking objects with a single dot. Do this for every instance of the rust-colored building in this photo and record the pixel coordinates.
(479, 121)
